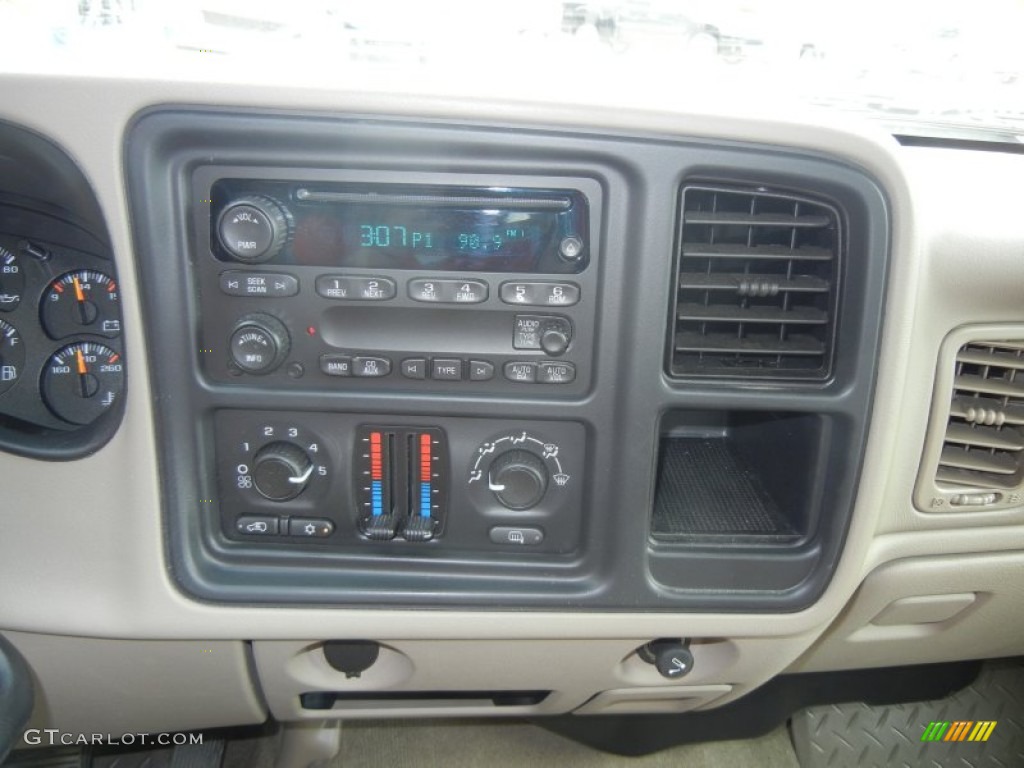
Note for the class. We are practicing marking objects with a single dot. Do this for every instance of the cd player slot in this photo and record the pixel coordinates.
(396, 329)
(438, 201)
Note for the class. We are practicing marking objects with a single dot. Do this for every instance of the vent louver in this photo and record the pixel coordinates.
(984, 438)
(757, 290)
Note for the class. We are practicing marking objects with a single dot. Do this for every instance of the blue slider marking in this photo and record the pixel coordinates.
(424, 499)
(377, 496)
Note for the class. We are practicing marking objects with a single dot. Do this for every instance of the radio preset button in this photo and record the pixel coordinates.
(469, 291)
(521, 372)
(540, 294)
(481, 370)
(371, 367)
(270, 284)
(446, 369)
(556, 373)
(414, 368)
(336, 365)
(356, 288)
(431, 291)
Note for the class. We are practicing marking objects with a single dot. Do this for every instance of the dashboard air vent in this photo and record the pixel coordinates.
(984, 442)
(757, 290)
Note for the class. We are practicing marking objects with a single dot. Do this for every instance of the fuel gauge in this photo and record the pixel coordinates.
(85, 301)
(83, 380)
(12, 356)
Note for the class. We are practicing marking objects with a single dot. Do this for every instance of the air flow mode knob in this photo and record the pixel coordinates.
(281, 471)
(518, 479)
(253, 229)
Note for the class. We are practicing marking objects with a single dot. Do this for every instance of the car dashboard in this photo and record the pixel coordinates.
(291, 373)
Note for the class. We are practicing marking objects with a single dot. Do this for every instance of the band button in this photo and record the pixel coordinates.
(336, 365)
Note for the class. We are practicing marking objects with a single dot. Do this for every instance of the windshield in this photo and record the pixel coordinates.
(927, 67)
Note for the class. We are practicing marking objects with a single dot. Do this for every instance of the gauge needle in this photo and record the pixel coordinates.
(83, 373)
(82, 307)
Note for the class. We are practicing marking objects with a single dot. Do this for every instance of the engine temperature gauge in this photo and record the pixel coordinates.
(85, 301)
(82, 381)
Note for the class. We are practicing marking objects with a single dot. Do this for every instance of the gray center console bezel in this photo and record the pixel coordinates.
(615, 565)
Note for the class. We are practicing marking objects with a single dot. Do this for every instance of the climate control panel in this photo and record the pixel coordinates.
(350, 483)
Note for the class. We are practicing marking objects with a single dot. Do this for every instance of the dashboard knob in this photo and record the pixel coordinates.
(253, 228)
(518, 479)
(281, 471)
(259, 343)
(554, 341)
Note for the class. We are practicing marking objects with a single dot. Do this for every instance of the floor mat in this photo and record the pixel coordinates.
(981, 726)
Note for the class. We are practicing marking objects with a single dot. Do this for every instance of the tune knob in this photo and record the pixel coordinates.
(518, 479)
(259, 343)
(281, 471)
(253, 228)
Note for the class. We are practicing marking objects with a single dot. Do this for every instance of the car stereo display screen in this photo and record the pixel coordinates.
(440, 229)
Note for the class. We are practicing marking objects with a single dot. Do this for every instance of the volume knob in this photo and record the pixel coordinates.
(253, 228)
(281, 471)
(518, 479)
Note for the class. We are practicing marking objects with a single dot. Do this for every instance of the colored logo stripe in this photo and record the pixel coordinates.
(959, 730)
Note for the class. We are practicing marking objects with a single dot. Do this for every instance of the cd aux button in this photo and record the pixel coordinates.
(371, 367)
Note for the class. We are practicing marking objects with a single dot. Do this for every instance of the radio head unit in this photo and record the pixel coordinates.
(401, 226)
